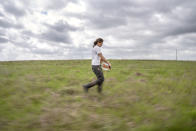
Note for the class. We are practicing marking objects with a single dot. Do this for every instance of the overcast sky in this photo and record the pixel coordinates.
(66, 29)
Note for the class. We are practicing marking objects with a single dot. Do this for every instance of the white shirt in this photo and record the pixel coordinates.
(95, 57)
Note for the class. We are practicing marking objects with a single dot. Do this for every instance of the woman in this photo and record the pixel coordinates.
(97, 58)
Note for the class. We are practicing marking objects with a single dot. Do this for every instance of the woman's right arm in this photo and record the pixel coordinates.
(104, 59)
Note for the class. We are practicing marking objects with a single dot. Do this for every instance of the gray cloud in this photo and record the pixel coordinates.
(58, 32)
(43, 51)
(52, 35)
(179, 30)
(10, 7)
(6, 24)
(175, 18)
(58, 4)
(113, 13)
(3, 40)
(107, 14)
(61, 26)
(1, 15)
(2, 32)
(130, 28)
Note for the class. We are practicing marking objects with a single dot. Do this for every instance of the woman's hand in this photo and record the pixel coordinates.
(110, 66)
(104, 60)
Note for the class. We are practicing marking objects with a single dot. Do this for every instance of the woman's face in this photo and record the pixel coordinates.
(99, 44)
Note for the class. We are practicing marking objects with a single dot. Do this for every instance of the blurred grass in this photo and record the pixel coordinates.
(138, 95)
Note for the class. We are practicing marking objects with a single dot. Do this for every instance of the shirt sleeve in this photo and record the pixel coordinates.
(98, 50)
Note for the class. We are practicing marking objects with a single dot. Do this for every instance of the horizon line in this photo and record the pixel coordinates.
(90, 59)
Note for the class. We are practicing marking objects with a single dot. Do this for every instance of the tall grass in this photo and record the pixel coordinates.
(137, 95)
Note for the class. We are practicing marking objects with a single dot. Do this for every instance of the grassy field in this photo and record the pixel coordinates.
(137, 95)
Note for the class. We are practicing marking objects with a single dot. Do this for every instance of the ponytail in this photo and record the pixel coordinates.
(96, 41)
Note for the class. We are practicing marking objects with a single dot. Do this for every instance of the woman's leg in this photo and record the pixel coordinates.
(100, 79)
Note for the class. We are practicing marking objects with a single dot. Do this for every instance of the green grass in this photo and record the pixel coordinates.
(138, 95)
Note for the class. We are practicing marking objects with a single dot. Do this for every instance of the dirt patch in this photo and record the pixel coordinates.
(138, 74)
(160, 108)
(73, 81)
(111, 79)
(30, 77)
(60, 78)
(131, 124)
(78, 71)
(55, 95)
(46, 79)
(68, 92)
(54, 116)
(129, 79)
(142, 80)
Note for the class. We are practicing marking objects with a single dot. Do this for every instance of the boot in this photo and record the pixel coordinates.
(91, 84)
(85, 89)
(99, 89)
